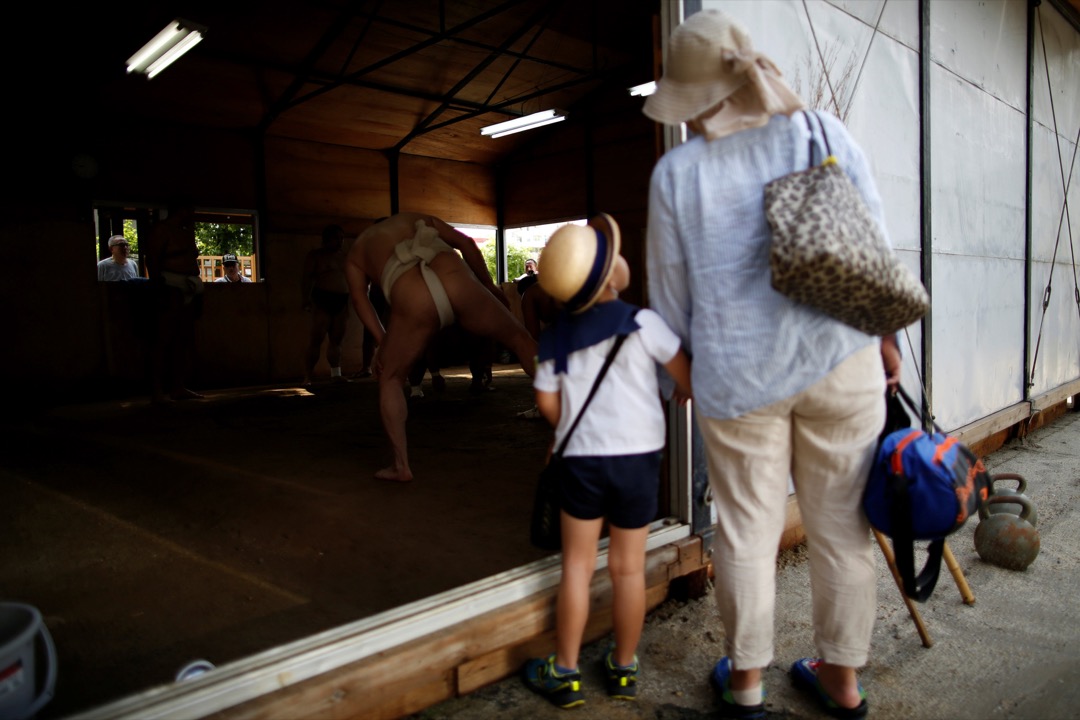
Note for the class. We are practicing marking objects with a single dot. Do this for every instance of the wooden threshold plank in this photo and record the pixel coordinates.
(446, 663)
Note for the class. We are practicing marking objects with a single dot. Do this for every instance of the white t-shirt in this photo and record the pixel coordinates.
(626, 416)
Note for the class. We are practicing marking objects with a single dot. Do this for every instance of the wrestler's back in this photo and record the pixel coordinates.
(375, 245)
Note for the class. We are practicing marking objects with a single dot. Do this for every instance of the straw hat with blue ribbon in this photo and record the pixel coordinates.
(577, 262)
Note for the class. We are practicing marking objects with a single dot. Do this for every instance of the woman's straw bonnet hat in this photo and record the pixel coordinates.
(577, 262)
(708, 60)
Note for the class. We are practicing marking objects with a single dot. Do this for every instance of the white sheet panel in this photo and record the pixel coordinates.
(1063, 61)
(839, 43)
(1049, 227)
(978, 171)
(984, 42)
(778, 29)
(884, 119)
(866, 10)
(977, 337)
(900, 21)
(1057, 331)
(910, 338)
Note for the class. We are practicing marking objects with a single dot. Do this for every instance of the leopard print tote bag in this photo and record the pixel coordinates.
(828, 252)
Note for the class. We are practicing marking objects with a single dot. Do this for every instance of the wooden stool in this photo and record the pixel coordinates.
(950, 562)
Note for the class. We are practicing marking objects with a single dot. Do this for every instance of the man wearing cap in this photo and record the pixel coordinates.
(118, 266)
(414, 259)
(232, 270)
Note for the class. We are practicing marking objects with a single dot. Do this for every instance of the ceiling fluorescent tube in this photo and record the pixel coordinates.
(643, 90)
(528, 122)
(177, 38)
(172, 54)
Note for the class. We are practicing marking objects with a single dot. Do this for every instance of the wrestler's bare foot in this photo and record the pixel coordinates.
(395, 473)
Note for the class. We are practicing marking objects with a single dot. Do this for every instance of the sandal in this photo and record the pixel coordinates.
(804, 676)
(721, 682)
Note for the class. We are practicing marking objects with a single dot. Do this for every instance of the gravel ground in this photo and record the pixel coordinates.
(1014, 653)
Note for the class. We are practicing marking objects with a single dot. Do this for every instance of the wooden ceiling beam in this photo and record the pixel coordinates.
(549, 62)
(433, 40)
(539, 18)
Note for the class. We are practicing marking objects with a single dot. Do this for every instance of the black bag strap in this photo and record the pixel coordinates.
(917, 587)
(600, 376)
(917, 410)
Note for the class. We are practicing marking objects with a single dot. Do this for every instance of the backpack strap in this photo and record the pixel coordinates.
(918, 588)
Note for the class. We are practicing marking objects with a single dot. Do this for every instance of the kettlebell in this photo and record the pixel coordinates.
(985, 510)
(1008, 540)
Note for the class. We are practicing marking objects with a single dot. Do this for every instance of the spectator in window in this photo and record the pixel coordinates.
(232, 270)
(527, 280)
(118, 266)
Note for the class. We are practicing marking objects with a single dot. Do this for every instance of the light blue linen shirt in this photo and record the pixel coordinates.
(708, 265)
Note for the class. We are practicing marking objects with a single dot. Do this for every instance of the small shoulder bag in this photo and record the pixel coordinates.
(545, 529)
(828, 251)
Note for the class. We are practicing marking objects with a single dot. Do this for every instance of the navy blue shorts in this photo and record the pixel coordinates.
(622, 488)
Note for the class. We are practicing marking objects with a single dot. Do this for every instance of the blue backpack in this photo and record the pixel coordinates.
(922, 486)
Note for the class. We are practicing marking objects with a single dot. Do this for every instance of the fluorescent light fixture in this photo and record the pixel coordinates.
(527, 122)
(177, 38)
(643, 90)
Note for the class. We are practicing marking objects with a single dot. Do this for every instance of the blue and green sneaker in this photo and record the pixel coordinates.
(621, 681)
(561, 690)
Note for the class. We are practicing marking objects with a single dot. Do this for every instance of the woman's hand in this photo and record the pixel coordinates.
(890, 359)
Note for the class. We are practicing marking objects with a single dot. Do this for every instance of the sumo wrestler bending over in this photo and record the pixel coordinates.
(412, 258)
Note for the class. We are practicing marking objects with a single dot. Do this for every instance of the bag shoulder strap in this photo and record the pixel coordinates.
(810, 143)
(919, 412)
(600, 376)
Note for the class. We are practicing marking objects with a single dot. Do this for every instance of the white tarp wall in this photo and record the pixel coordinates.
(862, 61)
(1055, 239)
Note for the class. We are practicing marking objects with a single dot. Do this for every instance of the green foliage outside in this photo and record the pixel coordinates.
(516, 255)
(218, 239)
(132, 236)
(212, 238)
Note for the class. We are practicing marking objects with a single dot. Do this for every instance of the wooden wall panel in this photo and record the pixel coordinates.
(548, 183)
(53, 335)
(454, 191)
(151, 164)
(319, 180)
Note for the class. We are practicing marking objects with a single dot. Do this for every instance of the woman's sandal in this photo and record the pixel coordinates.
(721, 682)
(804, 676)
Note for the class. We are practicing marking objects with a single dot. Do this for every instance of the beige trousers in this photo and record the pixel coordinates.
(824, 440)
